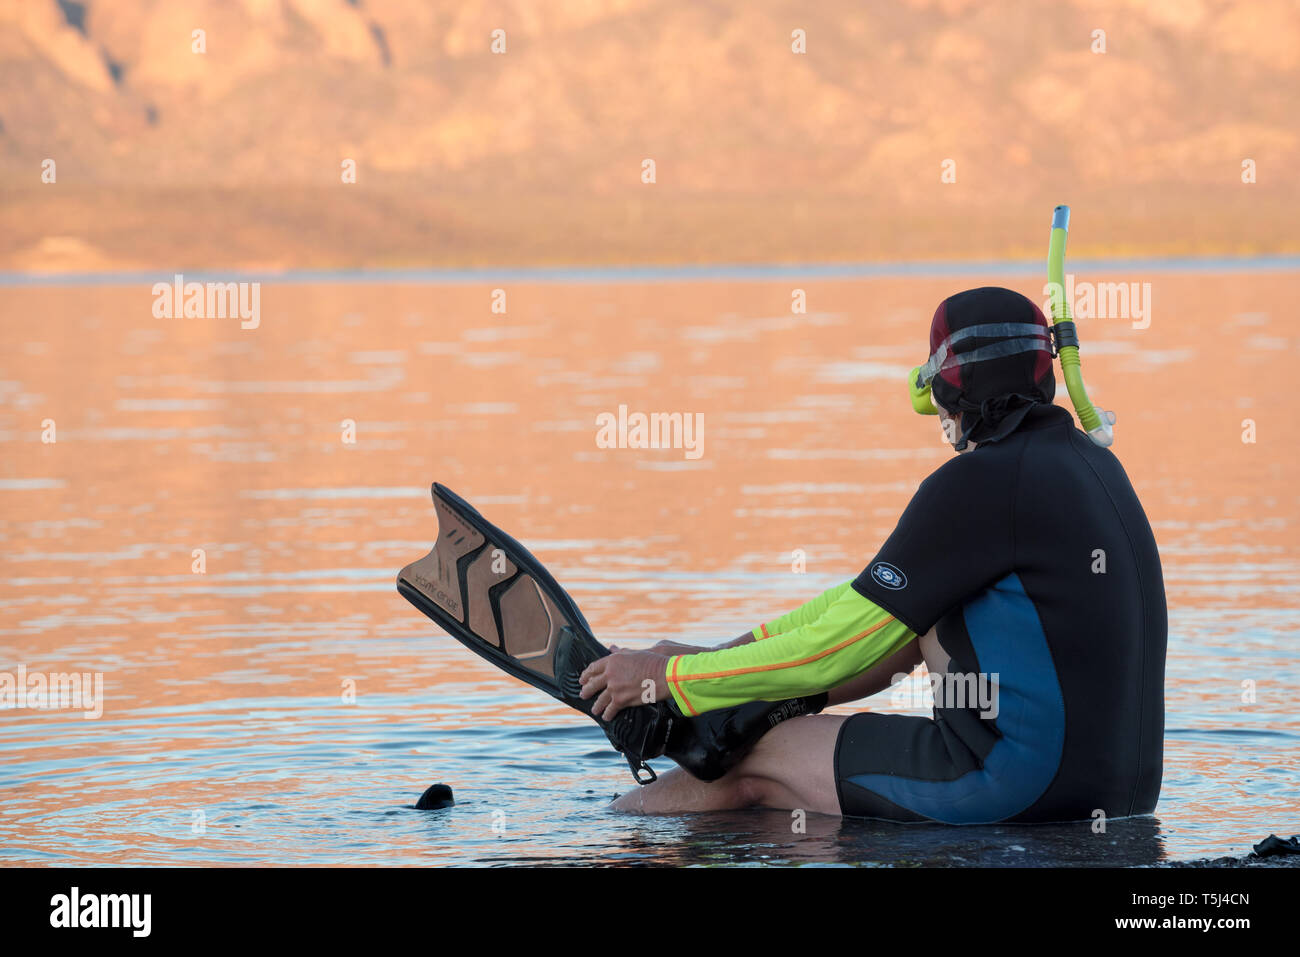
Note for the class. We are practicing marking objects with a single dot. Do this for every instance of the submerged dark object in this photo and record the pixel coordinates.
(488, 592)
(1273, 845)
(436, 796)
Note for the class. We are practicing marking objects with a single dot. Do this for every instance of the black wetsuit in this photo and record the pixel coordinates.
(1035, 559)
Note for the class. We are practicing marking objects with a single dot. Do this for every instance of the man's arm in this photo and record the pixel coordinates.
(807, 612)
(883, 674)
(848, 636)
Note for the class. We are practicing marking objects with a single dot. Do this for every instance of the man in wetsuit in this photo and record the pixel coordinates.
(1024, 573)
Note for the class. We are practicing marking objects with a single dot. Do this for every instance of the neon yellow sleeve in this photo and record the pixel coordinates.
(850, 635)
(807, 612)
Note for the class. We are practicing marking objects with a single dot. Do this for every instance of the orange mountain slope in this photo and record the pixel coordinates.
(233, 156)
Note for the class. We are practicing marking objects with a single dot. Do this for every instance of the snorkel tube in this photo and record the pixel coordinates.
(1097, 423)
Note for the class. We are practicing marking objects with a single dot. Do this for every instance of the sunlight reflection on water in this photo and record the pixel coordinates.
(228, 733)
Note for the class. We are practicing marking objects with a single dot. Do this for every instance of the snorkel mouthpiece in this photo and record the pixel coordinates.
(922, 401)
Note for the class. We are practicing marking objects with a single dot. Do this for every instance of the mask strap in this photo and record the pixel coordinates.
(1017, 337)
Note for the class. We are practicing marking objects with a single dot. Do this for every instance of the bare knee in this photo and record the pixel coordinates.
(758, 779)
(751, 790)
(792, 766)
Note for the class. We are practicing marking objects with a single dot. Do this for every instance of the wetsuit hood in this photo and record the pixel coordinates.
(991, 353)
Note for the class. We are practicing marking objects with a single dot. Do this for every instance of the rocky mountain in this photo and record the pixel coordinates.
(214, 132)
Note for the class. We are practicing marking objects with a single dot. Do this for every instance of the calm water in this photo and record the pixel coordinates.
(286, 706)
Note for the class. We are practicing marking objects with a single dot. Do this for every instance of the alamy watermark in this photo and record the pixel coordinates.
(53, 691)
(651, 430)
(75, 909)
(209, 300)
(965, 690)
(1105, 300)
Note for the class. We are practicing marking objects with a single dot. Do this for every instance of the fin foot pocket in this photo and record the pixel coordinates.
(638, 733)
(711, 744)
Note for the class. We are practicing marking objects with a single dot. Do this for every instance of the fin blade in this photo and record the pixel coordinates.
(488, 592)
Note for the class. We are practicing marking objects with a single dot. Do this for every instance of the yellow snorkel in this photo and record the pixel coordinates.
(1097, 423)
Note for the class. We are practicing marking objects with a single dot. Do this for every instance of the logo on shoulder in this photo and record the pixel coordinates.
(889, 576)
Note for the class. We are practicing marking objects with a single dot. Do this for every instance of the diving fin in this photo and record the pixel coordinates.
(490, 594)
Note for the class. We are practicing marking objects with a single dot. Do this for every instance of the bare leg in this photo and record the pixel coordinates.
(792, 766)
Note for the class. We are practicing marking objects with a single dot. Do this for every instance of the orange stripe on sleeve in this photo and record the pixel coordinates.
(676, 682)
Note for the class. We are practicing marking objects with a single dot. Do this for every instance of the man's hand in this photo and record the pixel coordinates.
(624, 680)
